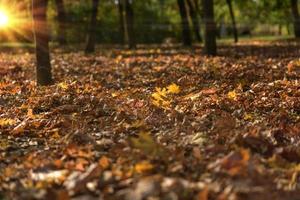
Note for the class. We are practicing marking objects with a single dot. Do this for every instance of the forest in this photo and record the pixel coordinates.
(149, 99)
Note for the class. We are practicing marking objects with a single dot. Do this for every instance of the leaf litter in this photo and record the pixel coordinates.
(153, 124)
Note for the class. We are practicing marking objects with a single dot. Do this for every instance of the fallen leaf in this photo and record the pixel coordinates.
(203, 195)
(20, 128)
(173, 89)
(7, 122)
(143, 167)
(232, 95)
(104, 162)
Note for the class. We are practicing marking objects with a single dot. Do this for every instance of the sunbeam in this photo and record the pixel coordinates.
(4, 19)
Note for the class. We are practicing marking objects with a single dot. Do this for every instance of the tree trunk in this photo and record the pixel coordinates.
(194, 17)
(162, 8)
(210, 45)
(121, 21)
(197, 6)
(43, 66)
(62, 20)
(295, 12)
(91, 38)
(130, 24)
(279, 29)
(234, 28)
(198, 9)
(186, 36)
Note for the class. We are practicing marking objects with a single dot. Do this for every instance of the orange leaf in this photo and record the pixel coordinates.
(104, 162)
(203, 195)
(143, 167)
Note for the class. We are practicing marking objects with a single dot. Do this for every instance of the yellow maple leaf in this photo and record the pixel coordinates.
(160, 99)
(7, 122)
(232, 95)
(161, 91)
(248, 116)
(63, 85)
(173, 89)
(157, 96)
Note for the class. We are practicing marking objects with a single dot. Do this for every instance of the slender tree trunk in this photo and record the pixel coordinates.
(210, 45)
(234, 28)
(295, 12)
(197, 6)
(130, 24)
(199, 9)
(91, 38)
(186, 36)
(43, 66)
(162, 7)
(62, 20)
(288, 28)
(121, 21)
(194, 17)
(199, 12)
(279, 29)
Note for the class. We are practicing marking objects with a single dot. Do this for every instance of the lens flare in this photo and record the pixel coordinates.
(4, 19)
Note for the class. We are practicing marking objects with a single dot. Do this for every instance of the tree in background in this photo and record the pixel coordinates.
(121, 21)
(232, 16)
(295, 12)
(129, 23)
(62, 20)
(43, 66)
(210, 45)
(195, 20)
(186, 35)
(91, 38)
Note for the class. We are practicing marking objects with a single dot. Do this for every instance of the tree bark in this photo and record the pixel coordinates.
(186, 36)
(91, 38)
(62, 20)
(197, 6)
(234, 28)
(43, 65)
(121, 21)
(210, 45)
(295, 12)
(130, 24)
(194, 17)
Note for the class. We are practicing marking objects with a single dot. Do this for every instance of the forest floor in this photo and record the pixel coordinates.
(161, 123)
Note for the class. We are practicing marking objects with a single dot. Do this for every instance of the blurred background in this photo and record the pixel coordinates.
(154, 21)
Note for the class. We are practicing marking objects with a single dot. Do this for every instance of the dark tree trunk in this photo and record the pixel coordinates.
(234, 28)
(194, 17)
(197, 9)
(186, 36)
(121, 21)
(91, 38)
(162, 7)
(62, 20)
(210, 45)
(295, 12)
(43, 66)
(280, 29)
(130, 24)
(196, 6)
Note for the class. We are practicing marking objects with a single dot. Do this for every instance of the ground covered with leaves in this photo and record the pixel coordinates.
(153, 123)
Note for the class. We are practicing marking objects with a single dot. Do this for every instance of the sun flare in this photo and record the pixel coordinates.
(4, 19)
